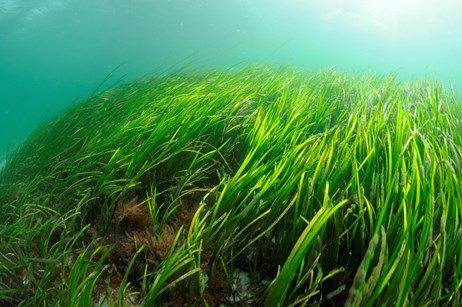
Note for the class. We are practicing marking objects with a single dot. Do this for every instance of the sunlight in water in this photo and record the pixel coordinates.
(398, 18)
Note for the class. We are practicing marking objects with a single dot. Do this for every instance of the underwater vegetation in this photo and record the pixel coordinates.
(262, 186)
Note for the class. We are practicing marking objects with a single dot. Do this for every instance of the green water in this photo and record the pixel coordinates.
(55, 53)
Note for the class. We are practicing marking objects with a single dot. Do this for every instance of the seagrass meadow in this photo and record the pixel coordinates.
(255, 187)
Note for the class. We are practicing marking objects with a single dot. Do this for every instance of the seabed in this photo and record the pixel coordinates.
(262, 186)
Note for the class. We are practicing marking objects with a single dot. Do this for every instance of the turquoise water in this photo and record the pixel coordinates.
(56, 52)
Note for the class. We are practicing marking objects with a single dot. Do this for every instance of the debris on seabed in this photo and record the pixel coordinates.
(244, 290)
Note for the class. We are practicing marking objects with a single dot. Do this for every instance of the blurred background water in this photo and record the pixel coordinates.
(55, 52)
